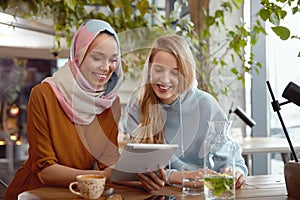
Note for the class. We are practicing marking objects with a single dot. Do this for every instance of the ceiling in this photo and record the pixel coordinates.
(30, 53)
(33, 53)
(27, 39)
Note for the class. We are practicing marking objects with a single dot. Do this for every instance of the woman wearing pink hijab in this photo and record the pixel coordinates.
(73, 116)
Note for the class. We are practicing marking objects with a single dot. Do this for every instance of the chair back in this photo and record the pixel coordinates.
(3, 187)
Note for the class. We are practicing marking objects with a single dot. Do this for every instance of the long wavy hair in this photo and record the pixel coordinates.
(152, 125)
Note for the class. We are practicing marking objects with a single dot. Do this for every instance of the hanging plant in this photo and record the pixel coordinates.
(125, 15)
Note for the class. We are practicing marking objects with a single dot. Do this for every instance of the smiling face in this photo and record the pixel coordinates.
(164, 76)
(100, 60)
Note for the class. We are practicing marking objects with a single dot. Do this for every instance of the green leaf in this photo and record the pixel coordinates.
(127, 8)
(71, 4)
(264, 14)
(295, 10)
(206, 33)
(274, 18)
(234, 70)
(299, 54)
(219, 14)
(4, 4)
(219, 183)
(223, 63)
(143, 6)
(154, 9)
(259, 65)
(282, 32)
(282, 13)
(209, 21)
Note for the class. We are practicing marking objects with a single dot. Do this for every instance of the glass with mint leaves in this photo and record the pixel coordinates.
(219, 162)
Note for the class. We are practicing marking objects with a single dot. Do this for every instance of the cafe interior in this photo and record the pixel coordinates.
(265, 122)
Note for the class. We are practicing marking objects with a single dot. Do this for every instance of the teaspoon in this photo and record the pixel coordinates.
(110, 192)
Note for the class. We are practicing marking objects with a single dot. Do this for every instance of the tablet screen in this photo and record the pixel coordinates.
(138, 158)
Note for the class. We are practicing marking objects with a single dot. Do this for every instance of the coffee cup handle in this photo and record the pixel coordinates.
(71, 188)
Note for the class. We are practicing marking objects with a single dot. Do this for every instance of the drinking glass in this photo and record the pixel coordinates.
(192, 180)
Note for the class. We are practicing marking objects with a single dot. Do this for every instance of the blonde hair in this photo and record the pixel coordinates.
(152, 125)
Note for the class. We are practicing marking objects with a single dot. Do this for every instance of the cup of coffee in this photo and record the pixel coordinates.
(192, 180)
(89, 186)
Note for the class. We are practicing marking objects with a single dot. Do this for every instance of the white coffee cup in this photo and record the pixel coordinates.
(90, 186)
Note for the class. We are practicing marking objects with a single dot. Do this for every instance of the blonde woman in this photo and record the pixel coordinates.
(169, 108)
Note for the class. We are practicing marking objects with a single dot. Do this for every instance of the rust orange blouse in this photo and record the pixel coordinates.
(53, 138)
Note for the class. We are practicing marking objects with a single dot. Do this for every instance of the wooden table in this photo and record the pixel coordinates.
(253, 145)
(255, 188)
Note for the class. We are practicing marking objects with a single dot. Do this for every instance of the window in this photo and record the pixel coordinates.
(283, 67)
(280, 66)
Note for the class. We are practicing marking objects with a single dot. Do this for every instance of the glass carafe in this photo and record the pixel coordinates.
(219, 162)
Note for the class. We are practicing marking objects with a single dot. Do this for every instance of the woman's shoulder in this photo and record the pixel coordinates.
(203, 99)
(202, 95)
(42, 89)
(133, 99)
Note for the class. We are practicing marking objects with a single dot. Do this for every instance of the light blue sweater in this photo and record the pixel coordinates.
(186, 125)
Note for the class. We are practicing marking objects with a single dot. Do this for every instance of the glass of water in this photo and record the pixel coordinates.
(192, 180)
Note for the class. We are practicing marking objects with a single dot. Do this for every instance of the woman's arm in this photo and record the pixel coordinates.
(175, 177)
(62, 175)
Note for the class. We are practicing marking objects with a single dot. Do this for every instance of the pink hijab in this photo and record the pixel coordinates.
(80, 101)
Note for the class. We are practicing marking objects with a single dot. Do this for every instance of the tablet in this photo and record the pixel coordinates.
(137, 158)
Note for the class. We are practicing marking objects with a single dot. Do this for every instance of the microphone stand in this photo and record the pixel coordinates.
(276, 108)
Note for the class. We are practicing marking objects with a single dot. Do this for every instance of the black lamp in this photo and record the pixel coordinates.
(291, 169)
(239, 112)
(292, 94)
